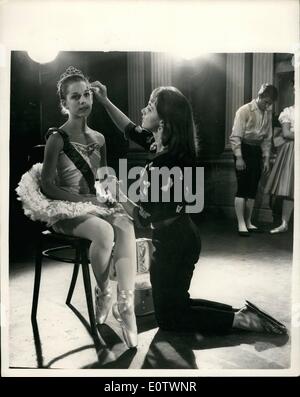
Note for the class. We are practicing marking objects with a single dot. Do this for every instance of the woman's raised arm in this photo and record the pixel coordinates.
(118, 117)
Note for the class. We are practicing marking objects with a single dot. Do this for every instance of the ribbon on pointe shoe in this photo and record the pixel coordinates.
(103, 303)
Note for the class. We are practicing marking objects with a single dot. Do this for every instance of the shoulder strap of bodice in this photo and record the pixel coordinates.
(76, 158)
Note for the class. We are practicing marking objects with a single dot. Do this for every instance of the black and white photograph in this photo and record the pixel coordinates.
(149, 197)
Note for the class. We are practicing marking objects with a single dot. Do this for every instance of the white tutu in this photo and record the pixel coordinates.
(38, 207)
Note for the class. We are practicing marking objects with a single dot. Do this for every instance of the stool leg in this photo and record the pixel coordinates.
(88, 291)
(37, 281)
(74, 276)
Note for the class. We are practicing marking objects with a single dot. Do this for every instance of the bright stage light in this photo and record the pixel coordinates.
(188, 53)
(42, 54)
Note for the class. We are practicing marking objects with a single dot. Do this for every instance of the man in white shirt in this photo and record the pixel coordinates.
(251, 141)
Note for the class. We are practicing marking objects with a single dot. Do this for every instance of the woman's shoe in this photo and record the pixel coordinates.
(103, 303)
(280, 229)
(250, 318)
(123, 307)
(267, 317)
(255, 230)
(244, 233)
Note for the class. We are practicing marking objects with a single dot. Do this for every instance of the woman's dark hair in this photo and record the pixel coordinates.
(71, 75)
(268, 90)
(179, 132)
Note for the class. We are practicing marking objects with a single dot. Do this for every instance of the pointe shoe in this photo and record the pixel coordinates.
(124, 304)
(280, 229)
(103, 303)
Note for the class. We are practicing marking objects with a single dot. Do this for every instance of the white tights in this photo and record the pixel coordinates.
(102, 234)
(243, 210)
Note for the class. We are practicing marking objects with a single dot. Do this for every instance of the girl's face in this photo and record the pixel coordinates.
(79, 99)
(150, 117)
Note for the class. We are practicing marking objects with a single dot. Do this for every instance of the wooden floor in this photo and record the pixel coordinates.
(230, 269)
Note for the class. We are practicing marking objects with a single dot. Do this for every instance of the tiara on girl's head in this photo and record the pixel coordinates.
(70, 71)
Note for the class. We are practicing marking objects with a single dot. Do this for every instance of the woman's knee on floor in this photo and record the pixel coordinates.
(168, 320)
(171, 282)
(169, 302)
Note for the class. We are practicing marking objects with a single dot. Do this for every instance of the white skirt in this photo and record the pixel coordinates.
(38, 207)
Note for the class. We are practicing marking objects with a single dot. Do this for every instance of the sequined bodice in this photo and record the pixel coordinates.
(68, 175)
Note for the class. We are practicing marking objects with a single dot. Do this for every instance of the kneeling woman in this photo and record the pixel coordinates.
(168, 119)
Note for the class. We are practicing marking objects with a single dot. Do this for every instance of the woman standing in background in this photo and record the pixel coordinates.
(281, 179)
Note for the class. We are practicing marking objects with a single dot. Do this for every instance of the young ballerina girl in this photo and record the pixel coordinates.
(74, 153)
(176, 240)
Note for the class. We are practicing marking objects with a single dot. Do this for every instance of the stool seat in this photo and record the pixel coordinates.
(64, 237)
(57, 253)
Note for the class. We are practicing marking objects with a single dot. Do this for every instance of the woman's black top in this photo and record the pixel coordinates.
(162, 189)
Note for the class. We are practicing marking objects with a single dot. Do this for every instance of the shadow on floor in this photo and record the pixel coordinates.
(109, 348)
(170, 350)
(114, 353)
(167, 350)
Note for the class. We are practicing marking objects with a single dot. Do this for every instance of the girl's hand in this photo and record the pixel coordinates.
(100, 91)
(240, 164)
(90, 198)
(113, 186)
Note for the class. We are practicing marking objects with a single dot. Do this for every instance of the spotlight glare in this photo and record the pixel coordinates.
(42, 54)
(188, 53)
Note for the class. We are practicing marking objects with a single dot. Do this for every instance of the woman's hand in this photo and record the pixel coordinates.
(240, 164)
(266, 165)
(100, 91)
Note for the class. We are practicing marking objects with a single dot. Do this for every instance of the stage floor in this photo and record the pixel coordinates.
(230, 269)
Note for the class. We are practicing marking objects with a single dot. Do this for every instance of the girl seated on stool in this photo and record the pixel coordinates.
(74, 153)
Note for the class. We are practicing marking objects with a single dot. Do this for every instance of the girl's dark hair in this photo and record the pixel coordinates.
(179, 132)
(71, 75)
(268, 90)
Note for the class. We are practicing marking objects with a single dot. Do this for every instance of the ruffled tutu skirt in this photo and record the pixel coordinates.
(38, 207)
(281, 179)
